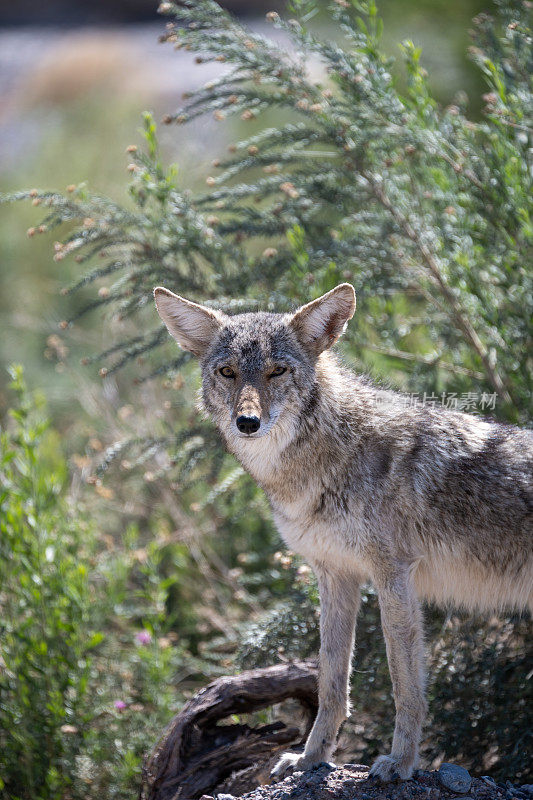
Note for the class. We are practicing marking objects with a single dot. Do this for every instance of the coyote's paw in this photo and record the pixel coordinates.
(389, 768)
(294, 762)
(289, 762)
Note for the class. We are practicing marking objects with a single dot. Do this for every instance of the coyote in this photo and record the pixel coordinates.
(425, 503)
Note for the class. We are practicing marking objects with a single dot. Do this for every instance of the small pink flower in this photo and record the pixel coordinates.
(144, 637)
(120, 705)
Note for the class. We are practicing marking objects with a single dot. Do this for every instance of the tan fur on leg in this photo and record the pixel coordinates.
(401, 621)
(339, 603)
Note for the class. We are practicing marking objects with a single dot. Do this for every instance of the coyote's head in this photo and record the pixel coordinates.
(258, 369)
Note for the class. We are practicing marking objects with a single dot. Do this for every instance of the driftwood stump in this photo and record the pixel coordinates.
(195, 756)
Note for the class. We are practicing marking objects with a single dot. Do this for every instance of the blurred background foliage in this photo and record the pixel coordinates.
(143, 580)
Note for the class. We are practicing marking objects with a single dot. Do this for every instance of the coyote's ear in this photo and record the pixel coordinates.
(192, 326)
(319, 324)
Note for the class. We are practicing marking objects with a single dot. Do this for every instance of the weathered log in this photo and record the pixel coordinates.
(195, 756)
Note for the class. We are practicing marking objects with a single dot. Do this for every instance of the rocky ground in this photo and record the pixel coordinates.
(351, 782)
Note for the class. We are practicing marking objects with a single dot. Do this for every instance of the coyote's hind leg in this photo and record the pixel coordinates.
(401, 620)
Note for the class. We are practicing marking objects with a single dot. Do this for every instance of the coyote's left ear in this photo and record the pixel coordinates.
(193, 326)
(319, 324)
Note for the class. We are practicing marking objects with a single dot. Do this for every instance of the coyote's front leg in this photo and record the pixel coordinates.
(401, 620)
(339, 604)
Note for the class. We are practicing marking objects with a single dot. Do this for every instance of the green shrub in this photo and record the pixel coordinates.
(361, 176)
(45, 631)
(88, 664)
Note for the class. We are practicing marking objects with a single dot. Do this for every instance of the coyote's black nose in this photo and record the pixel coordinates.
(248, 424)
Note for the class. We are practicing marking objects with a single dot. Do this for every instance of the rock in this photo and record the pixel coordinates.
(225, 797)
(456, 779)
(207, 797)
(315, 779)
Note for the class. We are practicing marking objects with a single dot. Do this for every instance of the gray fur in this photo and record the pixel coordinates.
(425, 503)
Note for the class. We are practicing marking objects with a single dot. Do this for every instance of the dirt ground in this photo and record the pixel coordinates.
(351, 782)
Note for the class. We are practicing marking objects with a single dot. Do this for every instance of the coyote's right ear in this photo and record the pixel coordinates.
(192, 326)
(320, 323)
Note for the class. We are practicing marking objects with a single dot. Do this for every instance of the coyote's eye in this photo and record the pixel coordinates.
(277, 371)
(227, 372)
